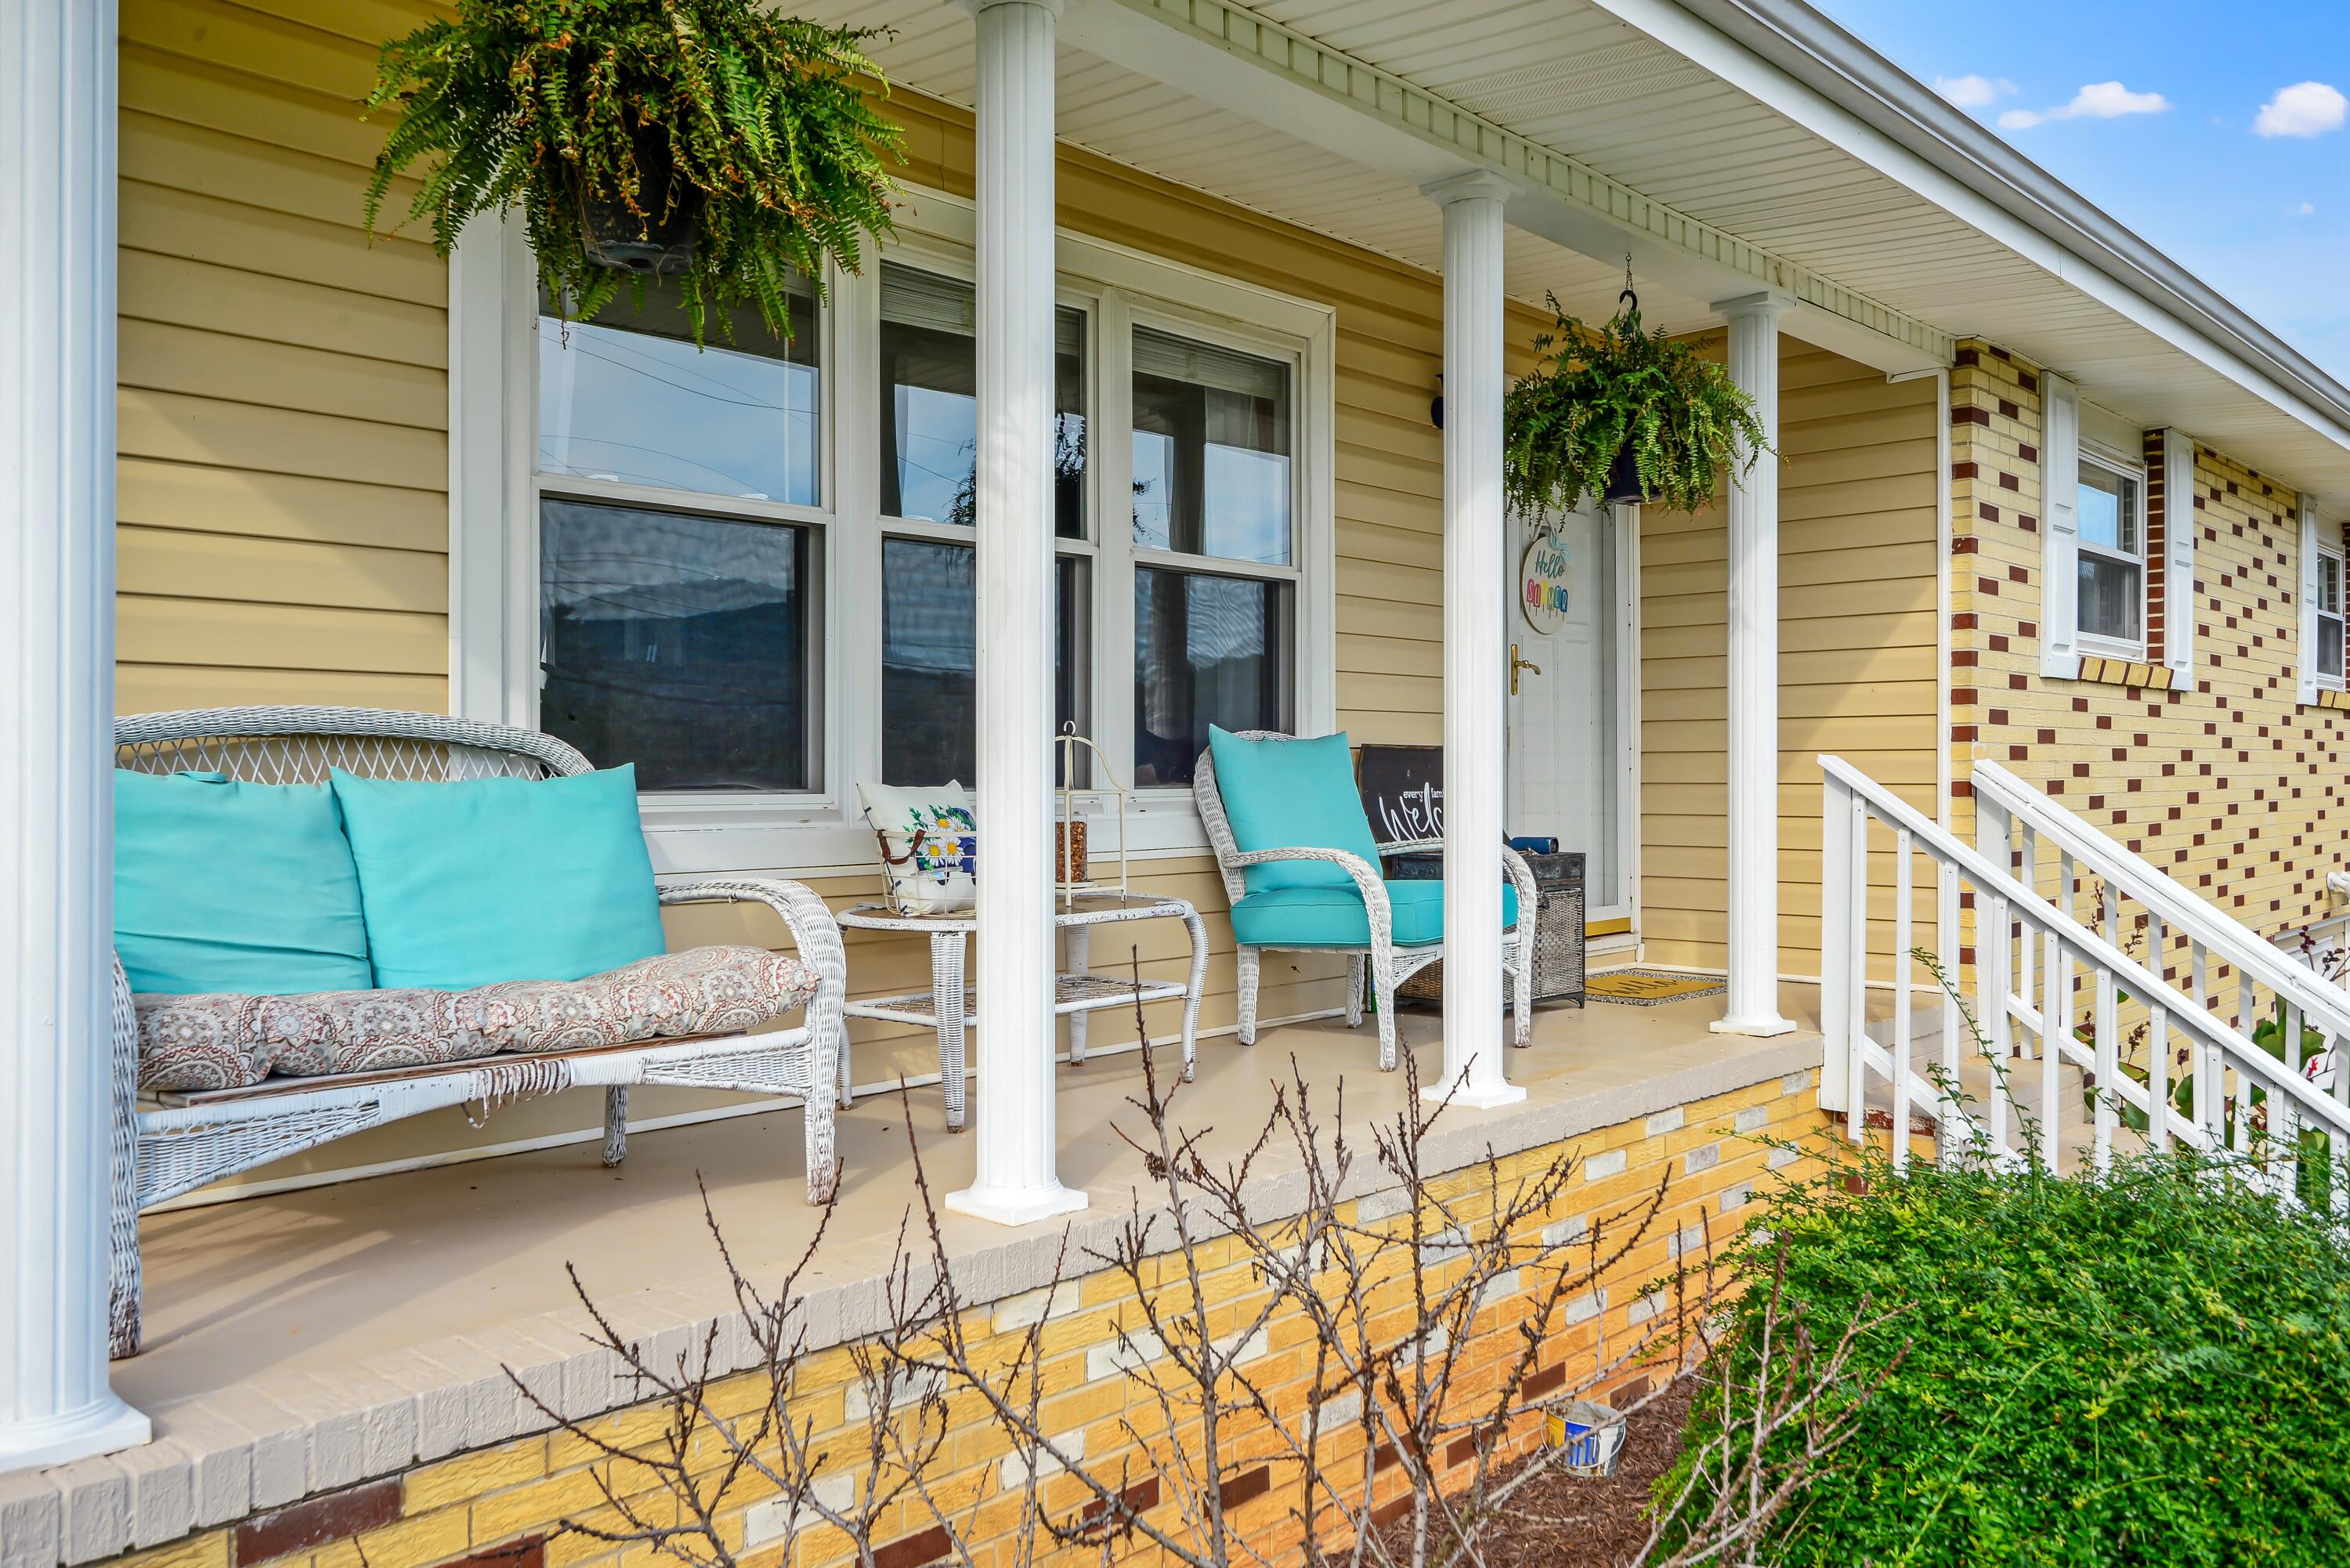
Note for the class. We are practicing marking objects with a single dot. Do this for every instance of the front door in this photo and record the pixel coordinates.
(1569, 762)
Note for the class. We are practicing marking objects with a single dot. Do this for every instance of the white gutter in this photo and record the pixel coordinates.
(1864, 104)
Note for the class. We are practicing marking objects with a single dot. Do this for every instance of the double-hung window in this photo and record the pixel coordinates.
(1214, 543)
(678, 575)
(2329, 596)
(2110, 606)
(927, 446)
(750, 568)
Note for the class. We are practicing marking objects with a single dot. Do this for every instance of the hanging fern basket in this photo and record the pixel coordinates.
(660, 243)
(1620, 415)
(712, 145)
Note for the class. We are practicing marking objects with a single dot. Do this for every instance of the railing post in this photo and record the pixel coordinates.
(1902, 849)
(1838, 949)
(2157, 1044)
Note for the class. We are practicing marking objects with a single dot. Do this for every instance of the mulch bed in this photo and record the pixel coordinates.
(1562, 1521)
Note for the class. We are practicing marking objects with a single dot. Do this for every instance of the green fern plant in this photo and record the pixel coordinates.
(1599, 391)
(561, 105)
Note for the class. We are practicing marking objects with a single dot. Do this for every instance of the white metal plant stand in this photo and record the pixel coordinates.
(948, 1005)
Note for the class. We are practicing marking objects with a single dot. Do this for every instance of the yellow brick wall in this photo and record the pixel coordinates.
(2225, 782)
(462, 1508)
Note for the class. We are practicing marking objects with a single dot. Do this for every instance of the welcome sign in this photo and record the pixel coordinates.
(1543, 575)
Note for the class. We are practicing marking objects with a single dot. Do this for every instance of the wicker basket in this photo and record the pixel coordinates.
(1558, 926)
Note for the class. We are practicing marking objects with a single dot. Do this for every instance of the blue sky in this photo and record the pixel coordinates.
(2220, 132)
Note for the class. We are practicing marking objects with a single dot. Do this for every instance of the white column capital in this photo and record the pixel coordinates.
(975, 6)
(1770, 302)
(1471, 186)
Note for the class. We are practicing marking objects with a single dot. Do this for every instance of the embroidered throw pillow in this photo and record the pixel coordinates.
(929, 843)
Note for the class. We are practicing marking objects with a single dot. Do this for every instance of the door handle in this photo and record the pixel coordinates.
(1517, 664)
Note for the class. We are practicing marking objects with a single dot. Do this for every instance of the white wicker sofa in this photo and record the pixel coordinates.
(167, 1144)
(1391, 963)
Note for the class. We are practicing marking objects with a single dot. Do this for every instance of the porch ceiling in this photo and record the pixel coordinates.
(1708, 148)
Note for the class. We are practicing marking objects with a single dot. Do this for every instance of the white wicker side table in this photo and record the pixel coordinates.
(949, 1006)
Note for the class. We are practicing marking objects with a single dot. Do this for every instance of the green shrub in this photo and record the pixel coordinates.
(2154, 1368)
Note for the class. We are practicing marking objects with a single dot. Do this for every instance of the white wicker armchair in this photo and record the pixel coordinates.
(177, 1142)
(1388, 964)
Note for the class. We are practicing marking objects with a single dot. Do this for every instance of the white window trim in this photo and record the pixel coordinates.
(494, 569)
(2339, 616)
(2097, 455)
(2178, 531)
(2308, 682)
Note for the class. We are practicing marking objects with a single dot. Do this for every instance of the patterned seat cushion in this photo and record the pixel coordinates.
(196, 1042)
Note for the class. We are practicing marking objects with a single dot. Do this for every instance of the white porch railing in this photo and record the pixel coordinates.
(2030, 954)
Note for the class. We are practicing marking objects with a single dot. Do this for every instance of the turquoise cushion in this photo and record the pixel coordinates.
(1292, 794)
(1334, 916)
(227, 886)
(475, 881)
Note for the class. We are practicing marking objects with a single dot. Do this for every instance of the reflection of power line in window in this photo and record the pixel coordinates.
(549, 459)
(752, 401)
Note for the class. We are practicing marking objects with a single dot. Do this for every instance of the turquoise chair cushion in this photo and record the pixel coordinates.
(475, 881)
(1292, 794)
(1334, 916)
(222, 886)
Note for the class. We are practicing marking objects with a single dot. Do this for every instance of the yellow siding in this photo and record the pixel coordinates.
(1857, 647)
(284, 393)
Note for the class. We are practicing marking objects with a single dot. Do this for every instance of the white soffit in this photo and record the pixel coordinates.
(1705, 160)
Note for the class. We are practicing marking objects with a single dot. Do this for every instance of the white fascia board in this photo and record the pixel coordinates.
(1226, 55)
(1795, 61)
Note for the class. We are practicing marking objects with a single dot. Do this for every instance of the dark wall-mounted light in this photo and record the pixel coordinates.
(1436, 404)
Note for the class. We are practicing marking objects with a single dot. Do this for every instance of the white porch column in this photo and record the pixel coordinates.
(1476, 606)
(57, 701)
(1753, 1003)
(1017, 1182)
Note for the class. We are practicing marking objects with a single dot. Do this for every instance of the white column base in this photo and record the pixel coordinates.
(1476, 1099)
(1016, 1205)
(1763, 1028)
(106, 1427)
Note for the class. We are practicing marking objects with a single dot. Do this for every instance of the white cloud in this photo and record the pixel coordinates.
(1972, 91)
(2305, 109)
(2098, 100)
(2304, 210)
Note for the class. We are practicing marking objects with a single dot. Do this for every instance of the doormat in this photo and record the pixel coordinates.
(1651, 987)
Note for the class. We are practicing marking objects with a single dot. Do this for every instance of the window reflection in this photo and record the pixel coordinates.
(929, 384)
(1212, 451)
(1207, 650)
(626, 397)
(930, 658)
(679, 643)
(2110, 586)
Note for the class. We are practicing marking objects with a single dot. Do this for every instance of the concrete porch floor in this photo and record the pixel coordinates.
(362, 1328)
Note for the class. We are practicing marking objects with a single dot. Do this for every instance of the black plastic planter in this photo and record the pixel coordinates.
(659, 247)
(1624, 479)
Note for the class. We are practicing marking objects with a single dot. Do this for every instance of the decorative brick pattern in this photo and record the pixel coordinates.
(316, 1521)
(504, 1505)
(2222, 779)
